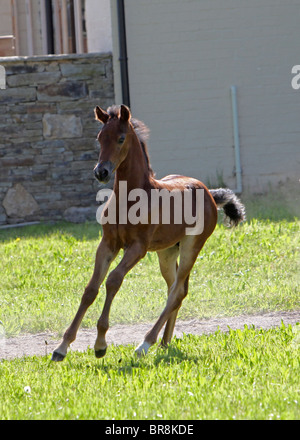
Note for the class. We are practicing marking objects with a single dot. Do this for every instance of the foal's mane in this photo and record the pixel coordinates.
(141, 130)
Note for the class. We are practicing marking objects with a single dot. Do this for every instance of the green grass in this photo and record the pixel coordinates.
(242, 374)
(44, 269)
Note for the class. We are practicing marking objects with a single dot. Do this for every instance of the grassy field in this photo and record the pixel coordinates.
(243, 374)
(44, 270)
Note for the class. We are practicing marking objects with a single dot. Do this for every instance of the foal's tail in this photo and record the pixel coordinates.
(233, 208)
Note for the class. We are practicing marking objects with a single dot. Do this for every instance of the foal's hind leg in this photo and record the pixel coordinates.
(190, 247)
(169, 329)
(168, 267)
(104, 257)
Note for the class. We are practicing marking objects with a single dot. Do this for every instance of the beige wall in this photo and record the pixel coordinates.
(36, 27)
(183, 58)
(98, 24)
(5, 18)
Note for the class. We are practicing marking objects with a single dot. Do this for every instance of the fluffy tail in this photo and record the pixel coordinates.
(233, 208)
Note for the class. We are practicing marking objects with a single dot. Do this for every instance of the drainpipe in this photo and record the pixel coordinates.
(44, 28)
(236, 136)
(49, 26)
(123, 52)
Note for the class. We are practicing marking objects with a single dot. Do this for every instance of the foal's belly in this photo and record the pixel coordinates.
(166, 236)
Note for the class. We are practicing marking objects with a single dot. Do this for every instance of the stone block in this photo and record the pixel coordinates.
(3, 109)
(33, 79)
(32, 136)
(82, 165)
(83, 71)
(52, 67)
(61, 126)
(18, 202)
(63, 91)
(17, 161)
(52, 152)
(23, 67)
(86, 107)
(28, 120)
(41, 108)
(76, 214)
(48, 197)
(3, 219)
(78, 144)
(18, 94)
(50, 144)
(86, 155)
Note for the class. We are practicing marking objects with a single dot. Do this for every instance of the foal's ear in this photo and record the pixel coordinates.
(125, 114)
(101, 115)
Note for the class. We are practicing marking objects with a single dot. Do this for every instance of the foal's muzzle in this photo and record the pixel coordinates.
(103, 171)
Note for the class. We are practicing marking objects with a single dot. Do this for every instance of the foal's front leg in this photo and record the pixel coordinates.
(104, 257)
(132, 256)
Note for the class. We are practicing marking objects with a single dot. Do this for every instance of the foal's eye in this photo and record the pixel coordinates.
(121, 139)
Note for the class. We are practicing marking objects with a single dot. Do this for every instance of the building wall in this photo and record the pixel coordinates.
(6, 25)
(5, 18)
(48, 131)
(97, 21)
(98, 24)
(183, 58)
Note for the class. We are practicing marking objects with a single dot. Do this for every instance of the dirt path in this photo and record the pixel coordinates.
(28, 345)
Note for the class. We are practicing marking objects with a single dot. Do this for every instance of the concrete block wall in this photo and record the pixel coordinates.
(48, 131)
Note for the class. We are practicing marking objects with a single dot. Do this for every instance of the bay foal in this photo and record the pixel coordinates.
(123, 150)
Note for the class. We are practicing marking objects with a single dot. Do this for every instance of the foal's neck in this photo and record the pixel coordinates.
(133, 169)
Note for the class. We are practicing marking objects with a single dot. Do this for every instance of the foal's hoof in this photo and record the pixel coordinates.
(100, 353)
(142, 349)
(57, 357)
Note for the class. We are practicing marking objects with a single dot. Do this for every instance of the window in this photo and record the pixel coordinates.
(31, 27)
(66, 25)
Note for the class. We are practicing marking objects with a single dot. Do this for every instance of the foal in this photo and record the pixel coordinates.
(123, 150)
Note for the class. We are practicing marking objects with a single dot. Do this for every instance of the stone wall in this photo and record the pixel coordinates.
(48, 131)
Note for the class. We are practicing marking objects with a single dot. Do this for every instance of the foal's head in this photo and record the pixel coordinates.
(114, 140)
(118, 133)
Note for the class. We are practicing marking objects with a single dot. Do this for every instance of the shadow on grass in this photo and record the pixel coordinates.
(83, 231)
(173, 354)
(129, 364)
